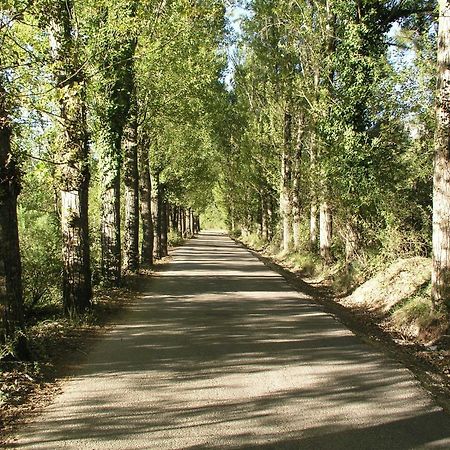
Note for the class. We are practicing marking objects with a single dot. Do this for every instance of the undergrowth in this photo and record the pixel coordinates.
(416, 317)
(174, 239)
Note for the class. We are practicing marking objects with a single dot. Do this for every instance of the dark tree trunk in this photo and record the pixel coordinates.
(145, 198)
(11, 300)
(191, 221)
(180, 221)
(164, 225)
(174, 218)
(157, 219)
(183, 222)
(74, 160)
(131, 181)
(196, 224)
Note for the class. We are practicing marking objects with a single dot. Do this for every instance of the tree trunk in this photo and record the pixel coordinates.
(441, 188)
(174, 218)
(73, 172)
(296, 219)
(351, 240)
(145, 201)
(286, 176)
(116, 82)
(11, 299)
(191, 221)
(131, 182)
(270, 217)
(156, 212)
(187, 219)
(164, 226)
(313, 226)
(325, 232)
(110, 228)
(313, 170)
(183, 222)
(263, 215)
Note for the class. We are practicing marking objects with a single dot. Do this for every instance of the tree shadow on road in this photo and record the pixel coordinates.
(227, 356)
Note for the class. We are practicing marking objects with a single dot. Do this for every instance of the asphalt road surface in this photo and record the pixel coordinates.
(219, 352)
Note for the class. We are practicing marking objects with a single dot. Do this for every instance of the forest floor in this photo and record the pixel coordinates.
(429, 363)
(217, 351)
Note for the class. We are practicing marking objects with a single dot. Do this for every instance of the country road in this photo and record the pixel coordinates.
(219, 352)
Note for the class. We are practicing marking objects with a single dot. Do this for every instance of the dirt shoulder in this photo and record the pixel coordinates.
(429, 365)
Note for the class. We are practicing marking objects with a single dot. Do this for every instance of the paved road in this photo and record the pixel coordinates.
(220, 353)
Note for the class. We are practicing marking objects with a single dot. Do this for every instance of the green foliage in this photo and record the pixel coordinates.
(213, 218)
(174, 239)
(40, 239)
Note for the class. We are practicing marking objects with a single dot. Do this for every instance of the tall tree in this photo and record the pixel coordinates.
(73, 153)
(131, 181)
(11, 296)
(114, 48)
(145, 200)
(441, 189)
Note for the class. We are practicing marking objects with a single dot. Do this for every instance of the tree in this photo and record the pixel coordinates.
(73, 152)
(441, 180)
(131, 181)
(145, 200)
(114, 49)
(11, 300)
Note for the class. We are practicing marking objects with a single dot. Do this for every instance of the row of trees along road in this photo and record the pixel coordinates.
(116, 124)
(334, 152)
(107, 133)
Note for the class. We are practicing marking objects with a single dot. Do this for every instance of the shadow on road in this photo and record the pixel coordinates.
(220, 353)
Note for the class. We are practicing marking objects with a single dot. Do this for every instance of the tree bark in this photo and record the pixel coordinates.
(296, 219)
(74, 159)
(351, 240)
(110, 228)
(441, 187)
(326, 230)
(313, 226)
(183, 223)
(156, 212)
(145, 202)
(116, 82)
(191, 221)
(187, 223)
(131, 182)
(164, 225)
(286, 178)
(11, 297)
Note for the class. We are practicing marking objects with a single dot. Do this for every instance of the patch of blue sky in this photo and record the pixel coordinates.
(235, 14)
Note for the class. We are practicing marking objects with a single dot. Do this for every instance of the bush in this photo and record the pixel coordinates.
(174, 239)
(40, 240)
(41, 258)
